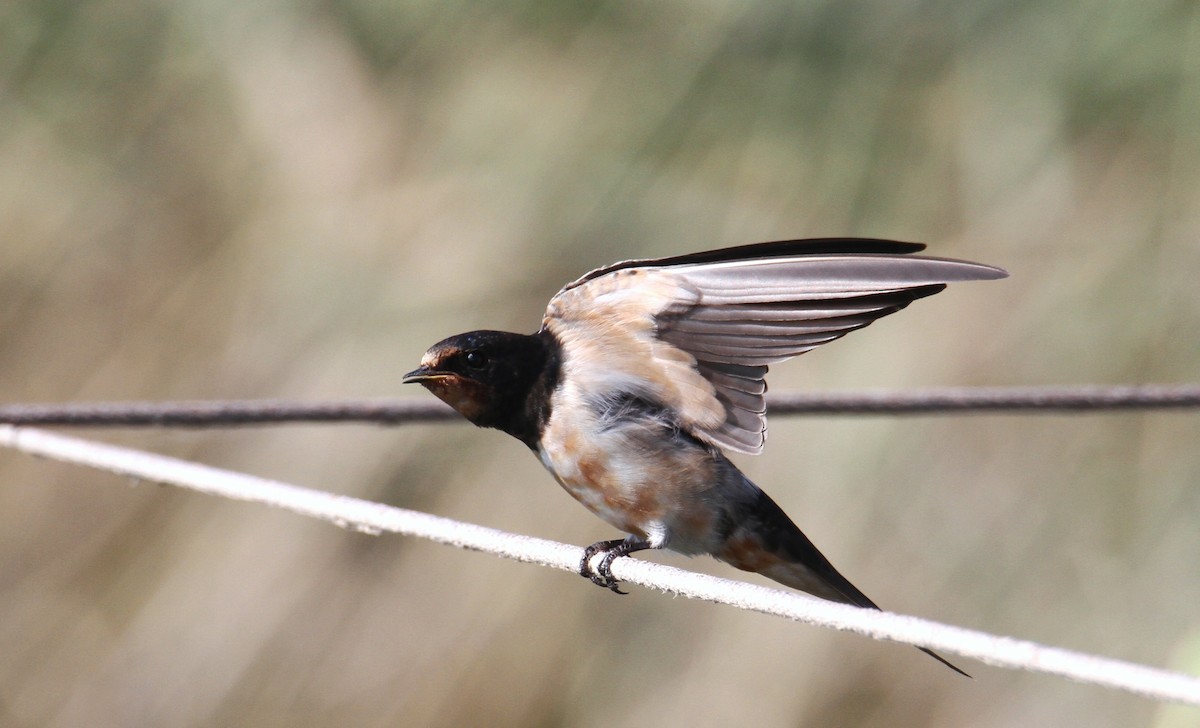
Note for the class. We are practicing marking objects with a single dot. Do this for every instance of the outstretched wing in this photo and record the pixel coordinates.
(697, 332)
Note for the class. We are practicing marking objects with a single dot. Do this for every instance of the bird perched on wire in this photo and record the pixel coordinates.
(645, 372)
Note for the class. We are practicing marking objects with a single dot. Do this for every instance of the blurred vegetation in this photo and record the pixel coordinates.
(206, 199)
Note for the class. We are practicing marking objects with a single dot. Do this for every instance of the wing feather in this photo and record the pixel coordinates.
(746, 328)
(752, 404)
(697, 332)
(792, 312)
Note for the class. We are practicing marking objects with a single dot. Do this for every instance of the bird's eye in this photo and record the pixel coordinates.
(476, 359)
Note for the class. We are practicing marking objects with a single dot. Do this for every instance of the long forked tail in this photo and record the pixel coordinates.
(767, 542)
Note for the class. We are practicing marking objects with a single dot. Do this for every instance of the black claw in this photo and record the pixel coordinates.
(602, 575)
(605, 570)
(585, 564)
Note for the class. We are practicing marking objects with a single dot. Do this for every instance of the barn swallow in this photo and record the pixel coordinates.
(646, 372)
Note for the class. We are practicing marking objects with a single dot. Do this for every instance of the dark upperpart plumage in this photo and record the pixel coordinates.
(774, 249)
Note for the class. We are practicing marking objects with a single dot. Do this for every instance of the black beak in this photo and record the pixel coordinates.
(423, 374)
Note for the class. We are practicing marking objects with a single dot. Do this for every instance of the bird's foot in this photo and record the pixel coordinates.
(602, 574)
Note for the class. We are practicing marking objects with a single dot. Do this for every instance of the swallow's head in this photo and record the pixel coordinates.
(489, 376)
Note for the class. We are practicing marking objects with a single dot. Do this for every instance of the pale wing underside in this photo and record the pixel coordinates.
(698, 337)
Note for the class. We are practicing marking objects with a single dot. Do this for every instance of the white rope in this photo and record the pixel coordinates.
(376, 518)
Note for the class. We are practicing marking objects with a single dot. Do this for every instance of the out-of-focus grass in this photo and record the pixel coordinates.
(209, 199)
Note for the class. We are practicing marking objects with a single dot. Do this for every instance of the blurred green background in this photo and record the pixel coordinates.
(207, 199)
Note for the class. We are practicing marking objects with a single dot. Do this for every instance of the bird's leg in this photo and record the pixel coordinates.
(602, 575)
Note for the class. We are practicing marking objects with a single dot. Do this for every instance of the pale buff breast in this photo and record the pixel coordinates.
(632, 476)
(589, 465)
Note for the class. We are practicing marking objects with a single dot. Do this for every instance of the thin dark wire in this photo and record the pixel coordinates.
(955, 400)
(219, 413)
(1074, 399)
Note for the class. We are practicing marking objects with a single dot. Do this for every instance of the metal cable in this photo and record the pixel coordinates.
(1075, 399)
